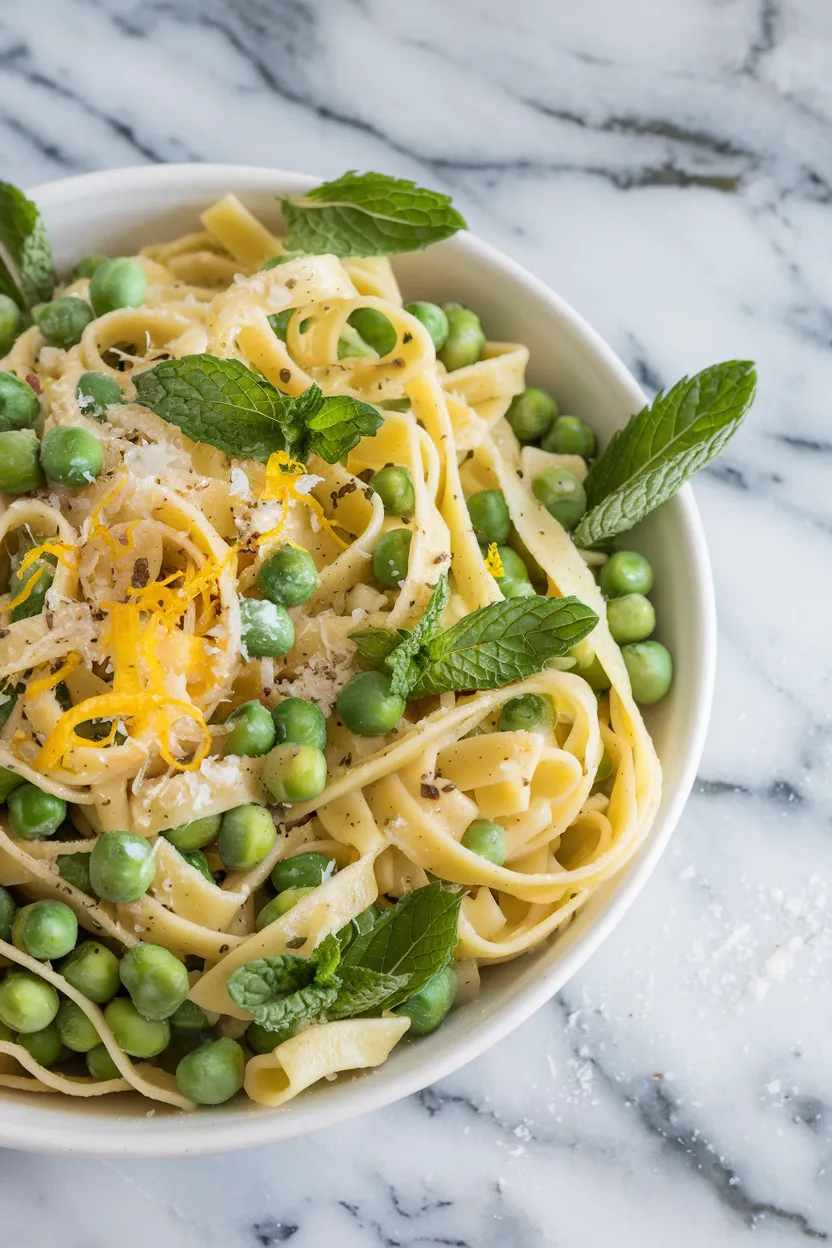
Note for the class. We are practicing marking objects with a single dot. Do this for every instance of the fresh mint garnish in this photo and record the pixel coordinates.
(24, 238)
(403, 661)
(225, 404)
(374, 645)
(368, 214)
(488, 649)
(395, 958)
(663, 446)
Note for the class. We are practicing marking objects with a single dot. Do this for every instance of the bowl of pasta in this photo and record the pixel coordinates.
(356, 655)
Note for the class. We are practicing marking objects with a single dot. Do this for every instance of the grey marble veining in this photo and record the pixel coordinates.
(668, 168)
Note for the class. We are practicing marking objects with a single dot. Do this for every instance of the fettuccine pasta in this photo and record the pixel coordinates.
(139, 684)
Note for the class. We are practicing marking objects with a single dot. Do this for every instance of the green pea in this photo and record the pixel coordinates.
(89, 265)
(122, 866)
(626, 572)
(367, 705)
(280, 905)
(136, 1035)
(267, 629)
(569, 435)
(489, 516)
(250, 730)
(63, 322)
(247, 834)
(75, 869)
(27, 1003)
(486, 838)
(428, 1007)
(76, 1030)
(650, 669)
(434, 319)
(196, 859)
(213, 1074)
(96, 392)
(588, 666)
(465, 342)
(45, 930)
(45, 1046)
(19, 404)
(528, 713)
(11, 323)
(394, 487)
(8, 908)
(189, 1017)
(631, 618)
(260, 1040)
(531, 413)
(391, 557)
(298, 722)
(605, 769)
(303, 871)
(294, 773)
(517, 589)
(100, 1065)
(9, 780)
(34, 814)
(19, 461)
(288, 577)
(156, 980)
(514, 569)
(562, 494)
(71, 456)
(119, 283)
(194, 835)
(92, 969)
(376, 330)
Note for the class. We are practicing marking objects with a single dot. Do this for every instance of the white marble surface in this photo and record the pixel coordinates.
(667, 166)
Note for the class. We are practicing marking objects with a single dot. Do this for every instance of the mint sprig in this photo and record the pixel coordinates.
(398, 955)
(368, 214)
(374, 645)
(403, 661)
(663, 446)
(24, 238)
(224, 403)
(488, 649)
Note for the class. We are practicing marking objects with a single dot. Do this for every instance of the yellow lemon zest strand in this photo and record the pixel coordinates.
(95, 529)
(139, 707)
(282, 474)
(493, 561)
(25, 591)
(41, 685)
(62, 551)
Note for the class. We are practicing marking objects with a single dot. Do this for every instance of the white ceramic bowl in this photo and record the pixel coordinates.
(116, 213)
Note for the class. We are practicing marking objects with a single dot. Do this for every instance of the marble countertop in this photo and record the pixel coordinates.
(667, 167)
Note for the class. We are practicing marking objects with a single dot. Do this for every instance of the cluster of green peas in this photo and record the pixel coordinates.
(66, 456)
(625, 579)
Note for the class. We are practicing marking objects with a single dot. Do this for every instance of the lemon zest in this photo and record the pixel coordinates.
(493, 562)
(62, 551)
(41, 685)
(281, 487)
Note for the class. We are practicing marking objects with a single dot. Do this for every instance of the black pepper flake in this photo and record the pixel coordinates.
(285, 374)
(407, 337)
(348, 488)
(4, 632)
(398, 362)
(368, 494)
(224, 948)
(291, 283)
(442, 558)
(449, 787)
(141, 574)
(429, 791)
(297, 942)
(345, 761)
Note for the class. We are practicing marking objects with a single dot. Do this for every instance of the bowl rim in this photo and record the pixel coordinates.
(87, 1135)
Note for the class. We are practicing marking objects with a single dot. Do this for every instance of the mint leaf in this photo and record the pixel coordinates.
(368, 214)
(663, 446)
(374, 645)
(225, 404)
(363, 990)
(326, 957)
(264, 980)
(287, 1014)
(500, 643)
(403, 661)
(23, 235)
(339, 424)
(414, 940)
